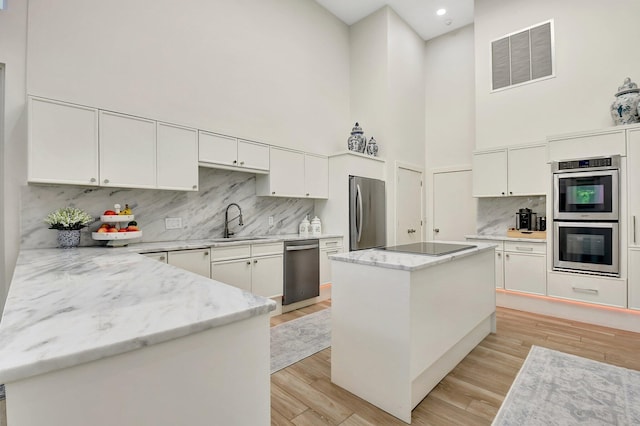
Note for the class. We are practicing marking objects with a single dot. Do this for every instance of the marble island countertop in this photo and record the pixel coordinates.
(67, 307)
(407, 261)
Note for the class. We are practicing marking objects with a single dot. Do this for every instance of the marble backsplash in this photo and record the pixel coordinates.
(202, 212)
(495, 215)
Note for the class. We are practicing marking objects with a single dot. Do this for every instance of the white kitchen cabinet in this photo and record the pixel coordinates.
(328, 247)
(229, 152)
(513, 171)
(633, 178)
(196, 261)
(601, 290)
(159, 256)
(316, 176)
(177, 157)
(295, 174)
(233, 272)
(63, 143)
(257, 268)
(127, 151)
(634, 278)
(499, 258)
(525, 267)
(602, 143)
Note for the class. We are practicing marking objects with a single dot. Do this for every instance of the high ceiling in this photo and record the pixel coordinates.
(419, 14)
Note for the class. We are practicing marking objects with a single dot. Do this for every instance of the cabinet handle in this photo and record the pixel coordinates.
(235, 161)
(162, 258)
(92, 180)
(436, 230)
(273, 193)
(333, 252)
(206, 253)
(331, 243)
(242, 163)
(506, 255)
(510, 192)
(106, 181)
(524, 248)
(499, 254)
(585, 290)
(195, 187)
(502, 193)
(248, 262)
(307, 194)
(634, 229)
(255, 261)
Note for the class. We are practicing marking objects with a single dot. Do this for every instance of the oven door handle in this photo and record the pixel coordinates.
(585, 290)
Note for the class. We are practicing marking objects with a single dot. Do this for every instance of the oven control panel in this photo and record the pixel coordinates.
(588, 163)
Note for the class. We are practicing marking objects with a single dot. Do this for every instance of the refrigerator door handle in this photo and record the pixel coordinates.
(359, 196)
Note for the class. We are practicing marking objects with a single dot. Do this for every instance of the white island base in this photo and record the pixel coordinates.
(215, 377)
(398, 330)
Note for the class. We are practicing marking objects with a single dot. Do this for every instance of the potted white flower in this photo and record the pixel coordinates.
(68, 221)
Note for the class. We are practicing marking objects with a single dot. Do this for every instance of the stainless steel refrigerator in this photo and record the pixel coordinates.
(367, 213)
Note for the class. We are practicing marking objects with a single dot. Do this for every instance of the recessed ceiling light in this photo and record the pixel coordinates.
(441, 12)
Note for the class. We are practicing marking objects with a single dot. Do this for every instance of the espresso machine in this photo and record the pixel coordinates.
(526, 220)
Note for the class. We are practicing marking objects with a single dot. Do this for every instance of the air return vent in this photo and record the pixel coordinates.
(523, 56)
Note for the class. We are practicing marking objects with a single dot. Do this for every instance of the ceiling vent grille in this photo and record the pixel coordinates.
(522, 57)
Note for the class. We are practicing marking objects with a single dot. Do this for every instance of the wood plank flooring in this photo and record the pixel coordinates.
(302, 394)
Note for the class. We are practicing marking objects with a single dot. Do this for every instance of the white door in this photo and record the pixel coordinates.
(286, 176)
(454, 208)
(253, 155)
(267, 276)
(196, 261)
(233, 272)
(177, 157)
(490, 173)
(408, 206)
(217, 149)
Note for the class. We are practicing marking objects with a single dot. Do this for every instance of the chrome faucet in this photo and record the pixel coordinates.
(227, 233)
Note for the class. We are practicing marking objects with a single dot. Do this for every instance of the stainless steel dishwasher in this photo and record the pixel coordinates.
(301, 270)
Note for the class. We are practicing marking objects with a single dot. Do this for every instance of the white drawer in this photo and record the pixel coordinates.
(267, 249)
(231, 252)
(591, 289)
(330, 243)
(525, 247)
(498, 243)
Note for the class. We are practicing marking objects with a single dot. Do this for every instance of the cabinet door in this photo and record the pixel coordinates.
(253, 155)
(160, 257)
(127, 151)
(528, 171)
(633, 171)
(196, 261)
(63, 143)
(490, 174)
(316, 176)
(267, 277)
(286, 175)
(325, 265)
(525, 273)
(233, 272)
(177, 157)
(634, 279)
(217, 149)
(499, 269)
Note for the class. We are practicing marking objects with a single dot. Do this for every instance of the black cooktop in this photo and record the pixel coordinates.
(429, 249)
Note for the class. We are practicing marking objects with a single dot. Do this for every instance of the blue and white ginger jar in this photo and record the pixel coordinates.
(626, 108)
(372, 147)
(357, 141)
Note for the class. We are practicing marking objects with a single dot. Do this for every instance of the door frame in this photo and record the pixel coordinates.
(430, 193)
(413, 167)
(4, 286)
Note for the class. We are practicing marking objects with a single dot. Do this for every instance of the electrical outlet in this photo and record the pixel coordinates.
(270, 220)
(173, 223)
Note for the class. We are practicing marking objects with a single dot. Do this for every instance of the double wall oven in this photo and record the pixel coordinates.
(586, 215)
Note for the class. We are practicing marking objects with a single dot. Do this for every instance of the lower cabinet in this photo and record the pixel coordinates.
(159, 256)
(328, 247)
(196, 261)
(499, 256)
(257, 268)
(634, 279)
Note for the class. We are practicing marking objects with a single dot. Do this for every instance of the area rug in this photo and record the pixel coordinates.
(554, 388)
(299, 338)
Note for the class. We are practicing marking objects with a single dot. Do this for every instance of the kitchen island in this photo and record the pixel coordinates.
(104, 337)
(401, 322)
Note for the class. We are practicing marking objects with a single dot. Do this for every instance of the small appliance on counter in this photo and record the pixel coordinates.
(526, 220)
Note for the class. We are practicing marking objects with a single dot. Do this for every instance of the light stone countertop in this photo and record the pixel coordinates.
(505, 238)
(408, 261)
(67, 307)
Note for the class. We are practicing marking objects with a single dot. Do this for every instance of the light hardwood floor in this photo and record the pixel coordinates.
(471, 394)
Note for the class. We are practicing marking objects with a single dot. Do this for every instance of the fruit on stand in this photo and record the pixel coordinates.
(132, 228)
(109, 213)
(126, 210)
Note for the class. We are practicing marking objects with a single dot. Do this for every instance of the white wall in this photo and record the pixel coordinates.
(594, 51)
(387, 93)
(12, 53)
(450, 99)
(276, 71)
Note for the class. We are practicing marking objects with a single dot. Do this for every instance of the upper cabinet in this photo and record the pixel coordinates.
(72, 144)
(63, 143)
(601, 143)
(177, 157)
(513, 171)
(295, 174)
(232, 153)
(127, 151)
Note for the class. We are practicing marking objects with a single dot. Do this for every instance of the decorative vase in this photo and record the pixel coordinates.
(626, 108)
(68, 238)
(372, 147)
(357, 141)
